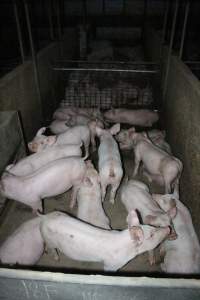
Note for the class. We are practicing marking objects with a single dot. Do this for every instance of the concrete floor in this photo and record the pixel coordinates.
(19, 213)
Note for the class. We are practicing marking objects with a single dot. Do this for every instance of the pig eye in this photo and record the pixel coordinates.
(151, 234)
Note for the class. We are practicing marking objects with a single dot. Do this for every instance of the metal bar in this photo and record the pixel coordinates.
(102, 70)
(59, 27)
(34, 58)
(124, 7)
(84, 14)
(103, 6)
(170, 49)
(163, 34)
(191, 61)
(165, 23)
(187, 8)
(109, 62)
(19, 32)
(49, 4)
(144, 18)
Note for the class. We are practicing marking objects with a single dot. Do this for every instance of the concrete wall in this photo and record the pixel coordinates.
(18, 88)
(18, 92)
(182, 119)
(182, 115)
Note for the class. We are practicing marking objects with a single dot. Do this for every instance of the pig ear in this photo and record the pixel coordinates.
(136, 234)
(132, 219)
(88, 182)
(41, 131)
(99, 131)
(9, 167)
(115, 129)
(50, 140)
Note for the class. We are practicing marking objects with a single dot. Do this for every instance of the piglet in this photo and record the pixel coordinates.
(140, 117)
(74, 135)
(156, 161)
(24, 246)
(110, 166)
(50, 180)
(85, 242)
(135, 195)
(31, 163)
(89, 202)
(124, 138)
(181, 256)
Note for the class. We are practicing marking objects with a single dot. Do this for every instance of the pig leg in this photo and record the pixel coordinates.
(113, 191)
(136, 167)
(152, 257)
(162, 251)
(74, 196)
(86, 146)
(93, 142)
(103, 190)
(110, 267)
(53, 252)
(168, 188)
(147, 175)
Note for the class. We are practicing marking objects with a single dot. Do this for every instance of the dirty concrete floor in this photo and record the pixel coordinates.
(18, 213)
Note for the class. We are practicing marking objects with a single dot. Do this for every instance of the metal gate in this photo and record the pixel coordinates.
(110, 84)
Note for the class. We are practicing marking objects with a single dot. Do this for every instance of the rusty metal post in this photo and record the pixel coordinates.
(19, 32)
(187, 8)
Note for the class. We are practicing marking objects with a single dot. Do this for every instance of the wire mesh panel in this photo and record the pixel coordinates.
(109, 84)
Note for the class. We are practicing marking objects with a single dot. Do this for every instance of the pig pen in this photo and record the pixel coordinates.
(40, 284)
(98, 85)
